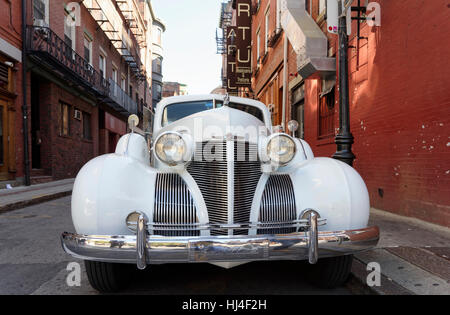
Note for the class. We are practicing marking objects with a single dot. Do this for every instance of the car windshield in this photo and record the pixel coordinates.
(174, 112)
(252, 110)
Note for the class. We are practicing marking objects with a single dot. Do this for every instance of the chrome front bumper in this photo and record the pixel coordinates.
(143, 249)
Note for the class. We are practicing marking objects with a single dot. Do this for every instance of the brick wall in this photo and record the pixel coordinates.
(69, 153)
(399, 109)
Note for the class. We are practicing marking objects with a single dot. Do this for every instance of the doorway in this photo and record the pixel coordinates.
(3, 141)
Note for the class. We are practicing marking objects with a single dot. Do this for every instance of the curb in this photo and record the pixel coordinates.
(33, 201)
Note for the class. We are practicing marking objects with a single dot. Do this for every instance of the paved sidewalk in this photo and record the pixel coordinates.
(22, 196)
(414, 257)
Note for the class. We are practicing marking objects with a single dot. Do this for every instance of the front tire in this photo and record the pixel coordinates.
(330, 272)
(107, 277)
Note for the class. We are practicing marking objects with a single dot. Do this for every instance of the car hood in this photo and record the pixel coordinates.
(219, 124)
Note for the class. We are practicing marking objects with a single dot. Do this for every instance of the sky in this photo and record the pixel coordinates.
(189, 43)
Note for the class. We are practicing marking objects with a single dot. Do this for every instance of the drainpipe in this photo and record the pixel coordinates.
(285, 65)
(344, 139)
(26, 155)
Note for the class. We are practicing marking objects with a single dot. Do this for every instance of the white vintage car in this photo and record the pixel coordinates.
(218, 186)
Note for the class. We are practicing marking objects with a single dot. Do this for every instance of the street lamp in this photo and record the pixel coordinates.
(344, 139)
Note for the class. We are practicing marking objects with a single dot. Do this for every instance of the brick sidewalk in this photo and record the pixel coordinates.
(22, 196)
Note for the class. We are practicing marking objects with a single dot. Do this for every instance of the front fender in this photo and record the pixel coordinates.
(335, 190)
(107, 189)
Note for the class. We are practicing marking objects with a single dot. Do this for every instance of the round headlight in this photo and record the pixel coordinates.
(170, 148)
(281, 149)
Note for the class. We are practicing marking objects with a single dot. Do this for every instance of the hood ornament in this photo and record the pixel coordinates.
(226, 100)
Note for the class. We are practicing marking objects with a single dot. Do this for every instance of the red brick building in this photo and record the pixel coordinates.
(11, 141)
(399, 109)
(174, 89)
(88, 68)
(399, 98)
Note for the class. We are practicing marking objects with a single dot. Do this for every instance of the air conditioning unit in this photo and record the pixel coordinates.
(77, 114)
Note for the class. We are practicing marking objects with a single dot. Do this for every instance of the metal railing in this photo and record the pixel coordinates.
(54, 52)
(46, 43)
(122, 98)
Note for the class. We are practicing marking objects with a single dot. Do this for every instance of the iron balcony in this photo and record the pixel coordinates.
(50, 51)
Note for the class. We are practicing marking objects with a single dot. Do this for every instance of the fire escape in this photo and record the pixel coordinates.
(119, 37)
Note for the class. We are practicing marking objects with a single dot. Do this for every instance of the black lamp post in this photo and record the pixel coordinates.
(344, 139)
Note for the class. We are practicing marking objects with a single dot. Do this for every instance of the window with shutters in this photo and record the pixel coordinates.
(4, 75)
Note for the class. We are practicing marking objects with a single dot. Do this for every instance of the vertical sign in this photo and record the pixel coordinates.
(239, 71)
(231, 59)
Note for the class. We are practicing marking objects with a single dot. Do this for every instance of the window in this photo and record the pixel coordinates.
(258, 44)
(102, 66)
(123, 84)
(322, 6)
(300, 118)
(64, 120)
(326, 114)
(298, 109)
(158, 36)
(278, 14)
(114, 79)
(158, 65)
(158, 91)
(87, 128)
(266, 34)
(130, 93)
(114, 75)
(40, 10)
(307, 5)
(69, 38)
(88, 50)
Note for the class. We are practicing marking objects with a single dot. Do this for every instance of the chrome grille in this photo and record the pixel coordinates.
(211, 177)
(247, 171)
(175, 212)
(277, 205)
